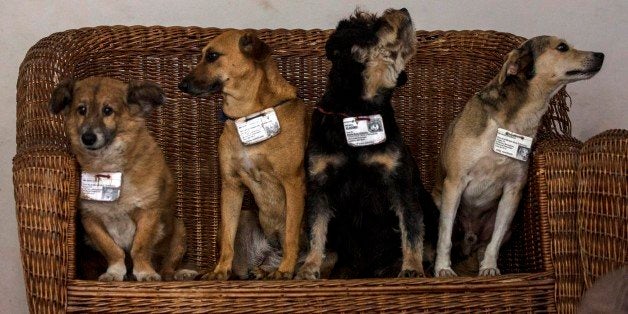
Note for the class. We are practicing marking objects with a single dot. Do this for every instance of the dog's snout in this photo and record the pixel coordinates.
(184, 85)
(404, 10)
(88, 138)
(598, 56)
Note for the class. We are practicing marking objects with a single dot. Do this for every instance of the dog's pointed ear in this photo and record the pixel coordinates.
(143, 96)
(518, 62)
(253, 47)
(61, 96)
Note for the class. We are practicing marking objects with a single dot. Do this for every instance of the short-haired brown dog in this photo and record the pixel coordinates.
(483, 161)
(104, 119)
(239, 65)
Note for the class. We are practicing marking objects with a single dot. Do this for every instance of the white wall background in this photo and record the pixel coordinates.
(598, 104)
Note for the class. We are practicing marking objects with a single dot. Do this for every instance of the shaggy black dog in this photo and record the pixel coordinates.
(365, 198)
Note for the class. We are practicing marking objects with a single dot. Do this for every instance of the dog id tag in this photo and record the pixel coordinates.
(364, 131)
(513, 145)
(102, 186)
(258, 127)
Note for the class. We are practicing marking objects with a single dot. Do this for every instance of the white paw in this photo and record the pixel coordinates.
(492, 271)
(185, 275)
(445, 272)
(308, 272)
(114, 272)
(111, 277)
(146, 276)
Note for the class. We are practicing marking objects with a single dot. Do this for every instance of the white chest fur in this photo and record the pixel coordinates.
(116, 220)
(490, 172)
(116, 216)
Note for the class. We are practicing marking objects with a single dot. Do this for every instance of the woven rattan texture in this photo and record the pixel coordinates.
(449, 67)
(555, 182)
(603, 204)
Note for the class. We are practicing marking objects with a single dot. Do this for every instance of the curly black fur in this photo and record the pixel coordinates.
(362, 201)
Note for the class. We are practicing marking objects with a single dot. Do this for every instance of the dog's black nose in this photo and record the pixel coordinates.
(184, 85)
(88, 138)
(598, 55)
(404, 10)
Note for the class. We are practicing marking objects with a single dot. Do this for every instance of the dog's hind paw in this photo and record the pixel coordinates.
(445, 272)
(308, 273)
(492, 271)
(185, 275)
(258, 273)
(280, 275)
(410, 273)
(221, 275)
(147, 276)
(111, 277)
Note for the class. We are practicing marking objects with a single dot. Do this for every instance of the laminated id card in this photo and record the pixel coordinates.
(102, 186)
(258, 127)
(364, 131)
(513, 145)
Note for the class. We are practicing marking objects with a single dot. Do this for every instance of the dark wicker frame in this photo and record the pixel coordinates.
(449, 67)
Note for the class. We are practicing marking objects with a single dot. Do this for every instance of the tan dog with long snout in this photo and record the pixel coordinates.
(239, 65)
(484, 187)
(104, 119)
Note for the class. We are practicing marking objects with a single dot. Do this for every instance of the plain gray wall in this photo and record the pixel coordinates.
(598, 104)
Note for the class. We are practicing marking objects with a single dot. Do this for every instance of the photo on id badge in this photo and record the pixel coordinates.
(109, 193)
(271, 127)
(523, 152)
(374, 125)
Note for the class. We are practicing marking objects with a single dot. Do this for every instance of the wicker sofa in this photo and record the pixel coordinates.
(542, 265)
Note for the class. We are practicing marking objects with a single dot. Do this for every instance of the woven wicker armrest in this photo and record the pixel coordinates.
(552, 196)
(45, 183)
(603, 204)
(448, 68)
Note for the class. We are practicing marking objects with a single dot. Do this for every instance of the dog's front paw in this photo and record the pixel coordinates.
(308, 272)
(185, 275)
(410, 273)
(445, 272)
(491, 271)
(111, 277)
(115, 272)
(258, 273)
(147, 276)
(280, 275)
(217, 275)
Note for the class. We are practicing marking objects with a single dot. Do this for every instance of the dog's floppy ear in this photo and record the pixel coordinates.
(253, 47)
(61, 96)
(518, 61)
(143, 96)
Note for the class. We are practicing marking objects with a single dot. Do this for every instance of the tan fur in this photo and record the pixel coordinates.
(389, 160)
(273, 170)
(471, 175)
(318, 163)
(142, 220)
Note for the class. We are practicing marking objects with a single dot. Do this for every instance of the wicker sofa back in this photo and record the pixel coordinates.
(448, 68)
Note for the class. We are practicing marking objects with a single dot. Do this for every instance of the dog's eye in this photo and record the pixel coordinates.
(81, 110)
(107, 111)
(211, 56)
(562, 47)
